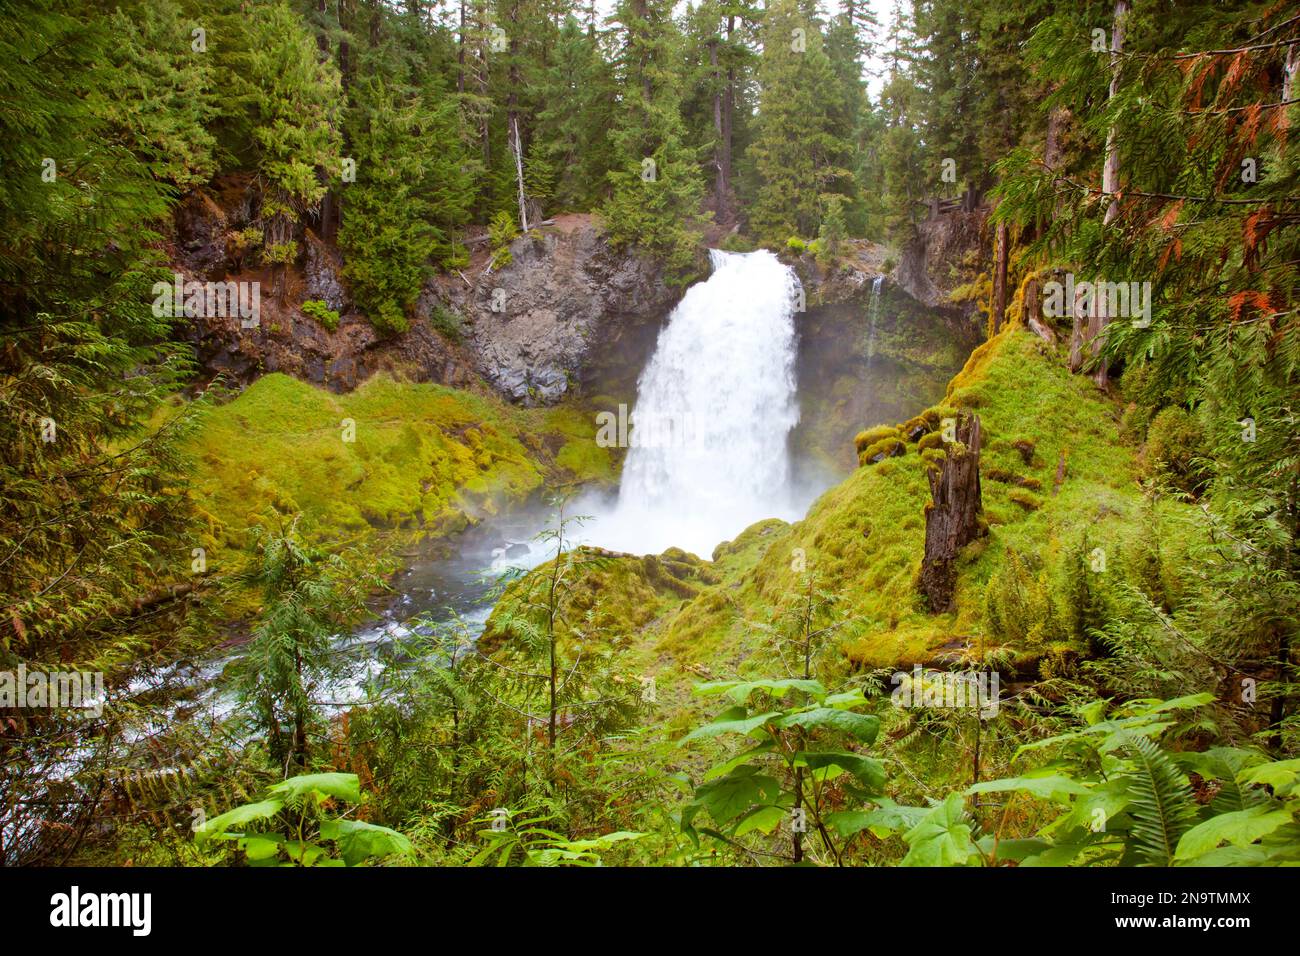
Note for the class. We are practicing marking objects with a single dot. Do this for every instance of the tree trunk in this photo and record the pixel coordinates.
(952, 518)
(1290, 71)
(460, 52)
(720, 176)
(999, 305)
(1110, 172)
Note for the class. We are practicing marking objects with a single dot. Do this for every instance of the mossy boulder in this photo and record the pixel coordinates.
(879, 451)
(871, 436)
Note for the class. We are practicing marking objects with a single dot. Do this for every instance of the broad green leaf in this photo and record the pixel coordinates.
(344, 786)
(1279, 774)
(739, 691)
(765, 819)
(719, 770)
(869, 771)
(263, 846)
(360, 841)
(1052, 786)
(942, 838)
(884, 818)
(846, 700)
(864, 727)
(735, 793)
(729, 722)
(237, 817)
(1015, 850)
(1241, 828)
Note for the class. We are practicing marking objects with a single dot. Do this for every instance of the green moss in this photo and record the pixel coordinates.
(865, 439)
(1175, 440)
(884, 448)
(422, 458)
(932, 440)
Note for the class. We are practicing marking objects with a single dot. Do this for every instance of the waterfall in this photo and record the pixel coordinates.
(873, 313)
(714, 408)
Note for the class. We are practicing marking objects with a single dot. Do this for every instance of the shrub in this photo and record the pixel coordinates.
(1174, 441)
(447, 322)
(501, 232)
(321, 312)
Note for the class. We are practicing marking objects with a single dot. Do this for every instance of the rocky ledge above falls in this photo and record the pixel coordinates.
(568, 310)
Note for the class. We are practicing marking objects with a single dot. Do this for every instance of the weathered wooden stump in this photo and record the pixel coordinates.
(952, 518)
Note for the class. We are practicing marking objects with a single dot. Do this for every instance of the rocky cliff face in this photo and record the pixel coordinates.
(567, 312)
(869, 354)
(946, 252)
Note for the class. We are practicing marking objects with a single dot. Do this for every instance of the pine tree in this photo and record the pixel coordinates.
(655, 182)
(291, 101)
(801, 150)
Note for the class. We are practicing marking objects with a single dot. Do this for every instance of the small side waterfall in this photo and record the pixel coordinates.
(714, 409)
(873, 314)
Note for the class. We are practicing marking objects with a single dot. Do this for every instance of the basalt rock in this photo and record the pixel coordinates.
(569, 312)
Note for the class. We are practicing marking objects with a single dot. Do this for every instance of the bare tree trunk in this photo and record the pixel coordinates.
(720, 173)
(952, 519)
(512, 116)
(460, 52)
(1290, 71)
(1110, 171)
(998, 307)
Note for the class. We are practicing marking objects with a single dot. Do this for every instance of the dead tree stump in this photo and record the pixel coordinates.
(952, 517)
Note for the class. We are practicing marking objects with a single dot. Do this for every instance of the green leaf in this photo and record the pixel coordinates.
(730, 722)
(739, 691)
(885, 818)
(869, 771)
(360, 841)
(1241, 828)
(219, 825)
(1279, 774)
(1050, 786)
(864, 727)
(942, 838)
(765, 819)
(735, 793)
(263, 846)
(344, 786)
(718, 770)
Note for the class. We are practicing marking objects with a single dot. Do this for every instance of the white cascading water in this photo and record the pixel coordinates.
(714, 409)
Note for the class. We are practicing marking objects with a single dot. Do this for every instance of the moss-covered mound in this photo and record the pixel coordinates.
(1062, 488)
(389, 455)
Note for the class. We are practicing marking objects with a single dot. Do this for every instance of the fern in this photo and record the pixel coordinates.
(1162, 807)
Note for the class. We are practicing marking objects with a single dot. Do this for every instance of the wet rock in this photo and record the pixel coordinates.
(564, 312)
(322, 273)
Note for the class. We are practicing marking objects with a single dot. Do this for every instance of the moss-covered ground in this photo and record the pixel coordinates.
(392, 460)
(1059, 486)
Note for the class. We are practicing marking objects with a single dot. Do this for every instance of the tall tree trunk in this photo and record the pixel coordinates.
(1110, 171)
(720, 176)
(460, 51)
(952, 519)
(998, 307)
(512, 116)
(728, 109)
(1290, 71)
